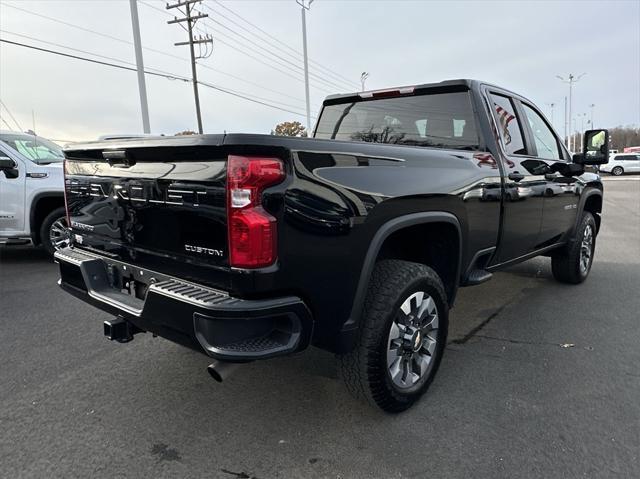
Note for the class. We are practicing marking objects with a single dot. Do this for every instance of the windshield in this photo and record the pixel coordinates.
(443, 120)
(35, 148)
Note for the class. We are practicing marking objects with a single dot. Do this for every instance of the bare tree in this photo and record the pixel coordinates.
(620, 137)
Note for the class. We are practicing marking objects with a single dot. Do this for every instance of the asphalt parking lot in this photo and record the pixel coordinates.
(539, 380)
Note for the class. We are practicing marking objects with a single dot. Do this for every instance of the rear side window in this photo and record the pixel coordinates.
(443, 120)
(508, 125)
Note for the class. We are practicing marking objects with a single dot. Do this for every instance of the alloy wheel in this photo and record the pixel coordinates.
(586, 249)
(413, 337)
(59, 234)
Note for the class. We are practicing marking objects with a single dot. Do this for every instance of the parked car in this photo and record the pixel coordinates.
(32, 191)
(246, 247)
(622, 163)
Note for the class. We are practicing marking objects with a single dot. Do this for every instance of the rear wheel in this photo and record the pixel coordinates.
(54, 231)
(402, 336)
(573, 263)
(617, 171)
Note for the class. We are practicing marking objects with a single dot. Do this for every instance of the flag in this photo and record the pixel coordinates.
(505, 118)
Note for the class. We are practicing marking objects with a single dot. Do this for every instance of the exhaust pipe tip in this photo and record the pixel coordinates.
(221, 370)
(211, 369)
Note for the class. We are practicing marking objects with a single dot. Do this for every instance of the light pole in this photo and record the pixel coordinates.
(571, 80)
(551, 105)
(566, 128)
(582, 116)
(142, 86)
(592, 106)
(306, 5)
(363, 78)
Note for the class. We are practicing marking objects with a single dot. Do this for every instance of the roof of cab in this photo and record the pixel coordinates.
(443, 84)
(469, 83)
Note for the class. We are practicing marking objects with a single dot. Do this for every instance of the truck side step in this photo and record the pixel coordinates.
(478, 276)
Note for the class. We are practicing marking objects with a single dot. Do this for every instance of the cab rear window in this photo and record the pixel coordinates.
(443, 120)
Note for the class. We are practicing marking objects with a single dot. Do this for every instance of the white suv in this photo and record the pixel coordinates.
(32, 191)
(622, 163)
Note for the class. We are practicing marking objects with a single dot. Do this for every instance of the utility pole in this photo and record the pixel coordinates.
(551, 105)
(566, 137)
(363, 78)
(305, 6)
(592, 106)
(142, 86)
(191, 17)
(571, 80)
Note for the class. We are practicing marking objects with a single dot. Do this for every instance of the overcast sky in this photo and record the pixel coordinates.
(521, 45)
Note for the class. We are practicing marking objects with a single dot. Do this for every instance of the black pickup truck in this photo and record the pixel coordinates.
(246, 247)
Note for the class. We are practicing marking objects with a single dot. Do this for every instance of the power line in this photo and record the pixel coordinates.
(92, 60)
(160, 52)
(204, 65)
(105, 35)
(191, 16)
(247, 98)
(168, 76)
(319, 65)
(5, 122)
(281, 61)
(234, 47)
(269, 65)
(175, 77)
(10, 115)
(287, 61)
(249, 31)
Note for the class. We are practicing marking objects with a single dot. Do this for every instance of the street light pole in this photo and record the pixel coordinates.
(363, 78)
(592, 106)
(571, 80)
(566, 129)
(305, 6)
(142, 87)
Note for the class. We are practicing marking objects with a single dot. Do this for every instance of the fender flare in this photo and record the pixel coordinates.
(591, 191)
(34, 229)
(351, 325)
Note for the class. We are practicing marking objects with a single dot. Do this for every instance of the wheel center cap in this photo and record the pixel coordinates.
(416, 342)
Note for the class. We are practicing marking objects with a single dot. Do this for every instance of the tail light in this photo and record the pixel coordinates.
(252, 230)
(64, 191)
(392, 93)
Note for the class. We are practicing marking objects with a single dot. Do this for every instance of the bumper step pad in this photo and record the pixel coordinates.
(202, 318)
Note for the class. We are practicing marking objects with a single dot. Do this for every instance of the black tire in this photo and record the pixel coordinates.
(54, 218)
(365, 370)
(567, 264)
(617, 171)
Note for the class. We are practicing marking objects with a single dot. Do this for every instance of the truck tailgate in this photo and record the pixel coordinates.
(155, 206)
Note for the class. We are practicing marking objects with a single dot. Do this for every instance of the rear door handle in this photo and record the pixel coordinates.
(516, 176)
